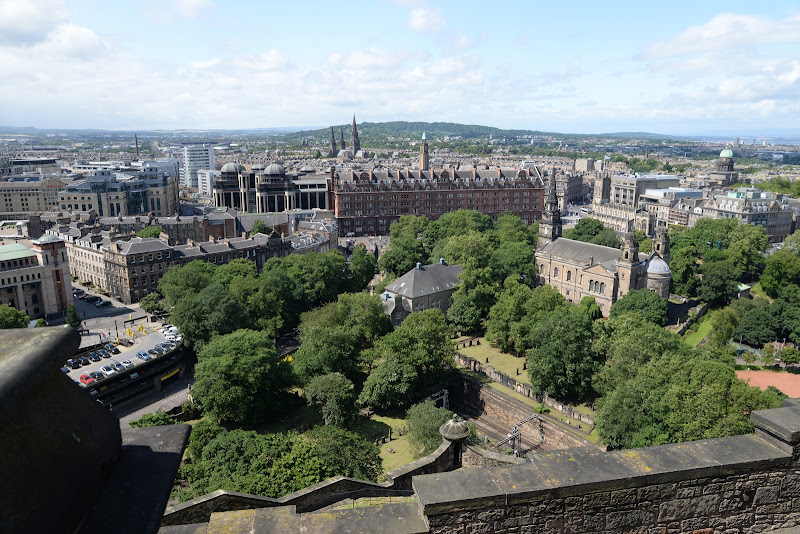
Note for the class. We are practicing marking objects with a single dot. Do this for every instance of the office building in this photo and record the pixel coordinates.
(195, 158)
(36, 279)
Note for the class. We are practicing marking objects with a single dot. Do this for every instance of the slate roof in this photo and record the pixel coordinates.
(426, 280)
(582, 252)
(138, 245)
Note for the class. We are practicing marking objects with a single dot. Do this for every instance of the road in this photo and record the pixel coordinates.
(106, 323)
(174, 395)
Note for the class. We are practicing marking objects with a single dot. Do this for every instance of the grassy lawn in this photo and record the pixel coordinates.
(758, 291)
(703, 329)
(505, 363)
(403, 454)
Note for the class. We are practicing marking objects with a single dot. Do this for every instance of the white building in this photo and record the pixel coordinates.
(205, 181)
(195, 158)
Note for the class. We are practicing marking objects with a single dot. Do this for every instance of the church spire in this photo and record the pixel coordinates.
(332, 146)
(354, 143)
(550, 225)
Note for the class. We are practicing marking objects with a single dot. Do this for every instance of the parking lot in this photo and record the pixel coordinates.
(107, 323)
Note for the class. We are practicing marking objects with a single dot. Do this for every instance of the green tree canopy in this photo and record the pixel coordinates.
(13, 318)
(335, 396)
(720, 281)
(150, 231)
(152, 302)
(184, 280)
(211, 311)
(424, 420)
(327, 349)
(593, 231)
(159, 418)
(239, 378)
(260, 227)
(561, 360)
(644, 303)
(362, 268)
(72, 317)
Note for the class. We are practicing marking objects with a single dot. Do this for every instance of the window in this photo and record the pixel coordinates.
(569, 276)
(555, 272)
(591, 285)
(602, 289)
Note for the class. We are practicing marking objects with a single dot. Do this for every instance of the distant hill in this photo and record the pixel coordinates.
(403, 129)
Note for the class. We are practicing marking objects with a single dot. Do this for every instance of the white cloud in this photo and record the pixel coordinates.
(192, 8)
(425, 19)
(25, 22)
(727, 31)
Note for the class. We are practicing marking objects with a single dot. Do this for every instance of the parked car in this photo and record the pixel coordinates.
(97, 375)
(82, 296)
(107, 370)
(127, 363)
(117, 366)
(65, 369)
(92, 298)
(84, 360)
(103, 303)
(110, 347)
(74, 364)
(103, 353)
(176, 338)
(93, 356)
(143, 356)
(77, 291)
(86, 379)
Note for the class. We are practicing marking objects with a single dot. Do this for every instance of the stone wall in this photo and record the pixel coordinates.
(523, 389)
(314, 497)
(739, 484)
(469, 395)
(479, 457)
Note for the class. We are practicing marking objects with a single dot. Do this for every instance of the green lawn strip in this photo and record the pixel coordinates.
(758, 291)
(373, 501)
(403, 454)
(694, 339)
(507, 364)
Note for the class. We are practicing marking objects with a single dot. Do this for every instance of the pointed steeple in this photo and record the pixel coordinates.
(423, 136)
(332, 146)
(355, 145)
(550, 225)
(342, 146)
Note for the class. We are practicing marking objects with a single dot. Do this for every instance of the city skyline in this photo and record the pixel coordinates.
(200, 64)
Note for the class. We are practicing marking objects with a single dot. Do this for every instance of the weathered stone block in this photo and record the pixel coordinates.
(596, 500)
(685, 508)
(620, 520)
(465, 517)
(695, 524)
(514, 511)
(478, 528)
(766, 495)
(620, 497)
(439, 520)
(659, 492)
(491, 515)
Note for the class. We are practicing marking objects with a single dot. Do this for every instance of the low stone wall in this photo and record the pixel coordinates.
(468, 394)
(479, 457)
(314, 497)
(739, 484)
(522, 388)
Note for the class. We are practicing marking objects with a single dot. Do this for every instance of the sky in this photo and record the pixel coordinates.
(675, 67)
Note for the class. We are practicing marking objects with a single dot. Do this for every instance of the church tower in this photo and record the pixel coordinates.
(628, 264)
(355, 145)
(342, 146)
(423, 154)
(661, 243)
(550, 225)
(332, 147)
(602, 189)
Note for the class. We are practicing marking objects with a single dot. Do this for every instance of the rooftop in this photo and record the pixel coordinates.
(14, 251)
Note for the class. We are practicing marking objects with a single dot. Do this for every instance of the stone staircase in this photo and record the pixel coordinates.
(396, 518)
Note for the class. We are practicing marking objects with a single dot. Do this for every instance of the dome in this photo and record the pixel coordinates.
(657, 266)
(230, 167)
(454, 430)
(726, 153)
(274, 169)
(257, 167)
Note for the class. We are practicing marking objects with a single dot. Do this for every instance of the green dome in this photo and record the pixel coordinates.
(726, 153)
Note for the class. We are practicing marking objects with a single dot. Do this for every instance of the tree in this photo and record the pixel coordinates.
(593, 231)
(184, 280)
(150, 232)
(238, 268)
(362, 268)
(790, 355)
(561, 360)
(239, 378)
(719, 282)
(151, 303)
(643, 302)
(345, 453)
(416, 355)
(260, 227)
(334, 394)
(590, 307)
(781, 269)
(211, 311)
(40, 323)
(159, 418)
(324, 350)
(72, 317)
(13, 318)
(756, 326)
(723, 324)
(464, 313)
(683, 265)
(424, 420)
(360, 312)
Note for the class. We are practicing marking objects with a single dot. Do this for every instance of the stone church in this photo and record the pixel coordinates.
(578, 269)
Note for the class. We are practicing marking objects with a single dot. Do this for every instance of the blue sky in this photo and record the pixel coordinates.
(677, 67)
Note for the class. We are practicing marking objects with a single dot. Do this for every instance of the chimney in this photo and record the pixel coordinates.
(419, 266)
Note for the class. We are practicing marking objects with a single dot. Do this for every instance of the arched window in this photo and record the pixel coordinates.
(626, 254)
(591, 285)
(569, 276)
(555, 272)
(602, 289)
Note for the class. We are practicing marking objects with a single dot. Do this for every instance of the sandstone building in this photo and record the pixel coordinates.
(422, 288)
(36, 280)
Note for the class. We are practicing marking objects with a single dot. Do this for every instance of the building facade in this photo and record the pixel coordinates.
(617, 201)
(36, 279)
(368, 202)
(578, 269)
(115, 194)
(193, 159)
(753, 206)
(27, 194)
(422, 288)
(133, 268)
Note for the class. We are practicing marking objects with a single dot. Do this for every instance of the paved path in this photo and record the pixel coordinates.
(174, 395)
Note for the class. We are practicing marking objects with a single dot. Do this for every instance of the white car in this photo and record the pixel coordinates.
(177, 338)
(127, 363)
(107, 370)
